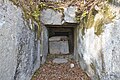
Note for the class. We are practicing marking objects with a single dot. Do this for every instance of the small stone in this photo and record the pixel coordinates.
(60, 60)
(72, 65)
(69, 14)
(59, 77)
(1, 24)
(97, 8)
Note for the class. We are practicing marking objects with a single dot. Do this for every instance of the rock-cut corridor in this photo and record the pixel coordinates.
(94, 43)
(60, 67)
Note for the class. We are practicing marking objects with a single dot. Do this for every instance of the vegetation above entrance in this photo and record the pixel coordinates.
(87, 9)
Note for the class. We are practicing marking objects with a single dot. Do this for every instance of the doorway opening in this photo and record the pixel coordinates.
(62, 32)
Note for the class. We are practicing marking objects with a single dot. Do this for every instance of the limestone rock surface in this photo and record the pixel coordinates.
(50, 16)
(70, 14)
(19, 57)
(53, 17)
(99, 55)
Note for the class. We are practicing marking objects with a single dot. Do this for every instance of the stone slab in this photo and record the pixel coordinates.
(60, 60)
(19, 54)
(57, 46)
(50, 16)
(58, 38)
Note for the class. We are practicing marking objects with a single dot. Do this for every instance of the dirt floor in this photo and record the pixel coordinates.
(54, 71)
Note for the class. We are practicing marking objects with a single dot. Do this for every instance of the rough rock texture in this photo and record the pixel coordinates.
(19, 56)
(44, 44)
(8, 57)
(69, 14)
(52, 17)
(99, 55)
(21, 53)
(58, 45)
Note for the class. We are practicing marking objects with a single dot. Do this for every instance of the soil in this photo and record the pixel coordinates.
(53, 71)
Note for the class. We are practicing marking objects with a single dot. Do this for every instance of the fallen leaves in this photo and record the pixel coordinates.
(53, 71)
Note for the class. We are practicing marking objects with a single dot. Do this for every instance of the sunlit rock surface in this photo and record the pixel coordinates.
(21, 54)
(53, 17)
(50, 16)
(99, 55)
(70, 14)
(19, 57)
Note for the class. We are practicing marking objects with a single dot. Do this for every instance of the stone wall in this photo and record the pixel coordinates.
(21, 54)
(99, 55)
(44, 44)
(19, 51)
(8, 57)
(51, 17)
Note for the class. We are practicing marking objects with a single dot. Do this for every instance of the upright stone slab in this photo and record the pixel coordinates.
(58, 45)
(44, 43)
(19, 57)
(99, 55)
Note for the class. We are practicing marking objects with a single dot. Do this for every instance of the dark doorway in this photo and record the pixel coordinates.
(63, 31)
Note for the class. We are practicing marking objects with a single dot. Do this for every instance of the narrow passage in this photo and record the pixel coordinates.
(66, 69)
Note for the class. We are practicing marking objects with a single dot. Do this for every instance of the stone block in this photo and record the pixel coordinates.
(50, 16)
(70, 14)
(58, 45)
(60, 60)
(19, 54)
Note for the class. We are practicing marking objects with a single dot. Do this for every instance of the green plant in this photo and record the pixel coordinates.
(86, 16)
(32, 11)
